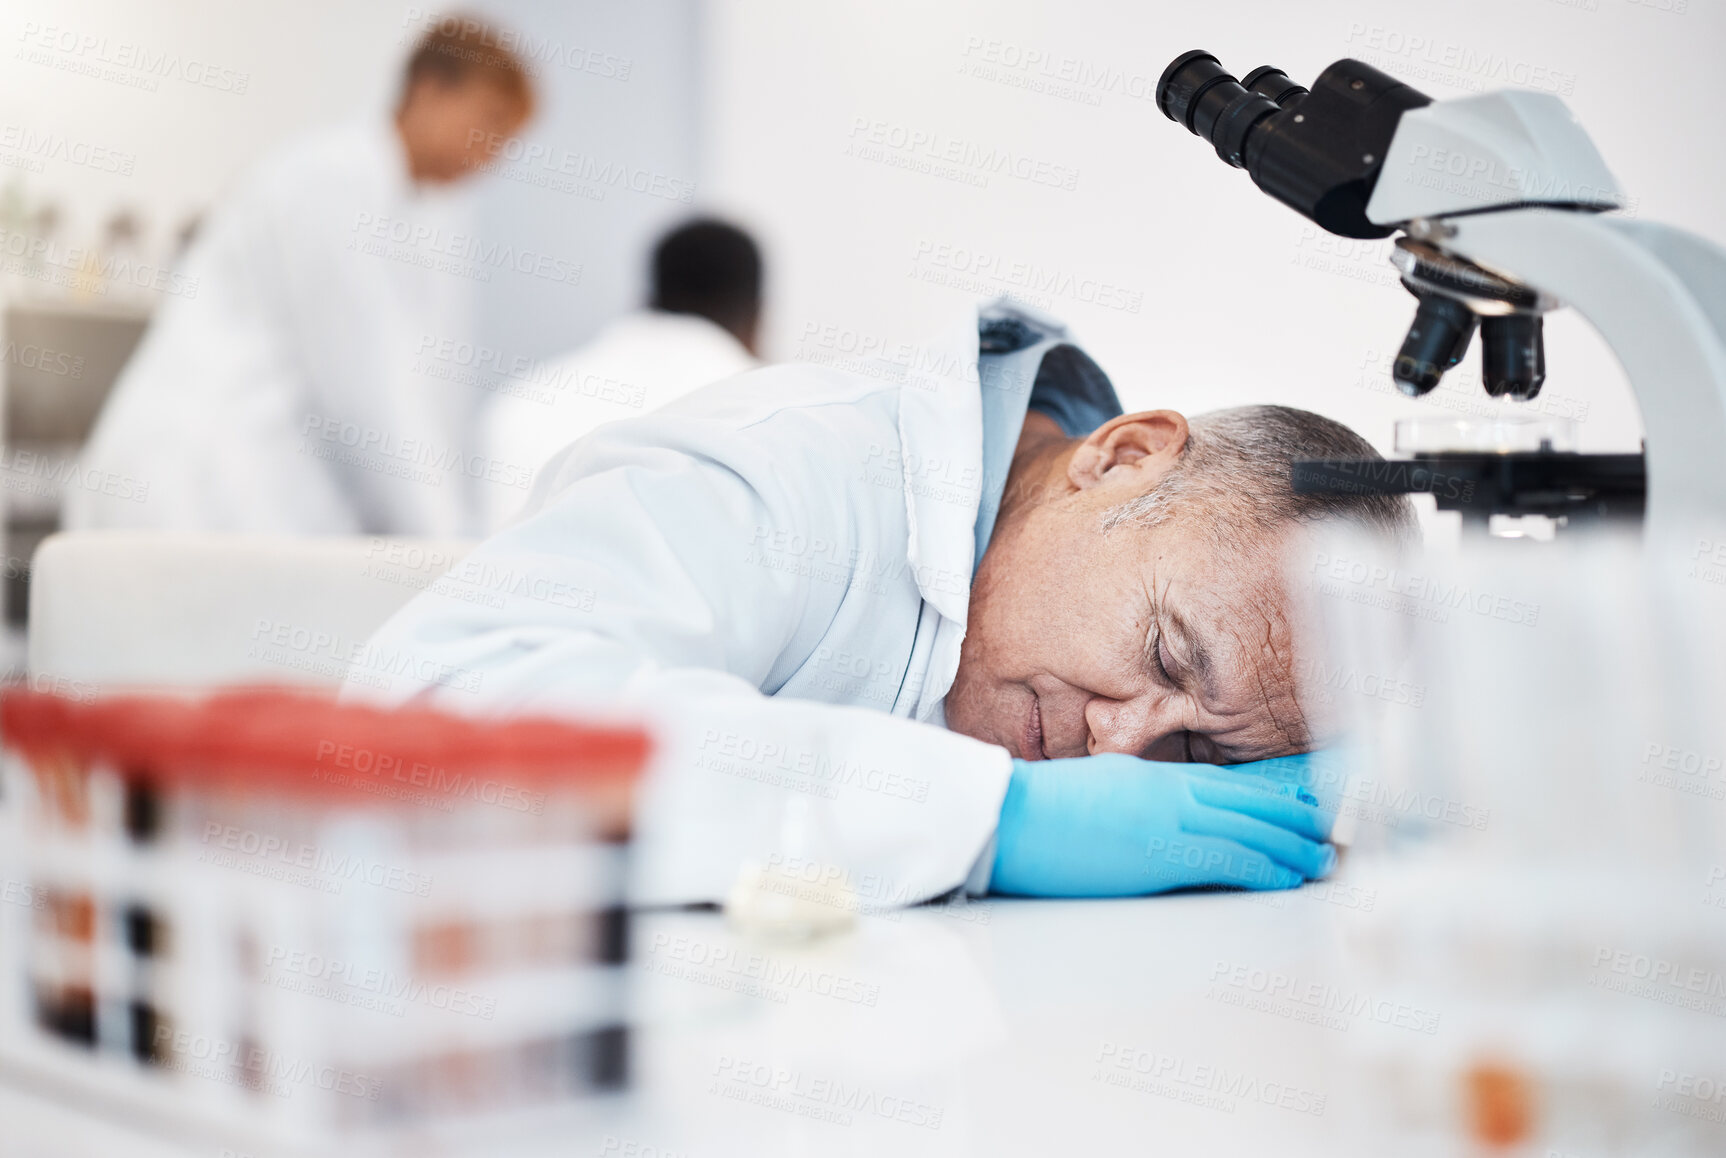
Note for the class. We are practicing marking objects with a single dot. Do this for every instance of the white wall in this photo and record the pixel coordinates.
(1239, 299)
(72, 86)
(281, 68)
(618, 150)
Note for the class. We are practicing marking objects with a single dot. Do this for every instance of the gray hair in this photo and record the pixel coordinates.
(1234, 475)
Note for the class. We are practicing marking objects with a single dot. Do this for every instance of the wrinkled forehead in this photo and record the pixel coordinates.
(1257, 688)
(1231, 609)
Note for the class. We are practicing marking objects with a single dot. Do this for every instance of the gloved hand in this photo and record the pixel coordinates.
(1115, 825)
(1316, 778)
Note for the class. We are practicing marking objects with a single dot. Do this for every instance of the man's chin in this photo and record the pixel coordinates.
(1010, 731)
(964, 716)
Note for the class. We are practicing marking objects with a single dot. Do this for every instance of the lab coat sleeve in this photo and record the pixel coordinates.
(895, 810)
(640, 587)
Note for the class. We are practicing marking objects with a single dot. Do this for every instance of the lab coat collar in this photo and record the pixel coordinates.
(960, 414)
(941, 446)
(962, 404)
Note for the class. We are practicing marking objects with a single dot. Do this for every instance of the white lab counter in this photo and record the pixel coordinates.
(993, 1028)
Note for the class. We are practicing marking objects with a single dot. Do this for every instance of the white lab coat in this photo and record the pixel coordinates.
(776, 570)
(635, 365)
(283, 392)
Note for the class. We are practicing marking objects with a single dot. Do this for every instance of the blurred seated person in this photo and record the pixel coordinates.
(700, 326)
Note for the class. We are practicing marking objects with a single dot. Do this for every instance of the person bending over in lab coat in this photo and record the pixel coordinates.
(700, 326)
(979, 631)
(283, 396)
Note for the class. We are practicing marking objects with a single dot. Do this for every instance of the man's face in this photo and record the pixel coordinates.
(450, 130)
(1144, 640)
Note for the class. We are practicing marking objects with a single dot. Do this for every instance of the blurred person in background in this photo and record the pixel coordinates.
(700, 326)
(282, 395)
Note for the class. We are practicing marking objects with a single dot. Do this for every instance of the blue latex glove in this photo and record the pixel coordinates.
(1317, 777)
(1115, 825)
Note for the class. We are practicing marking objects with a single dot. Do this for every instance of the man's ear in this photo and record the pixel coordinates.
(1151, 440)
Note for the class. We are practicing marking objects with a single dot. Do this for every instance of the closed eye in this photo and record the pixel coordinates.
(1158, 663)
(1160, 656)
(1166, 660)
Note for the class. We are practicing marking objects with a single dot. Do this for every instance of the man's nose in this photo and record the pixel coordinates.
(1134, 726)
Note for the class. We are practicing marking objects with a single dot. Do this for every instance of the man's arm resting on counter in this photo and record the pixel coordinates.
(630, 592)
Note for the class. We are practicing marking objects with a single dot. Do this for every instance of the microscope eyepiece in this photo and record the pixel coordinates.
(1317, 152)
(1273, 83)
(1187, 76)
(1197, 92)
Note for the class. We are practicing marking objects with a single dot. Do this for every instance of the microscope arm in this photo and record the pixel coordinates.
(1657, 295)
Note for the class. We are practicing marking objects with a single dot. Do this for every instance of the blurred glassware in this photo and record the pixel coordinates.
(803, 891)
(1540, 797)
(1503, 435)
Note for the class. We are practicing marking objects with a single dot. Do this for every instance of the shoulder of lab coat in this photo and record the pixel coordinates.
(633, 366)
(361, 154)
(678, 351)
(637, 583)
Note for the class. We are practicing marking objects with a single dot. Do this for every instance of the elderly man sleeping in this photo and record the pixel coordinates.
(992, 632)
